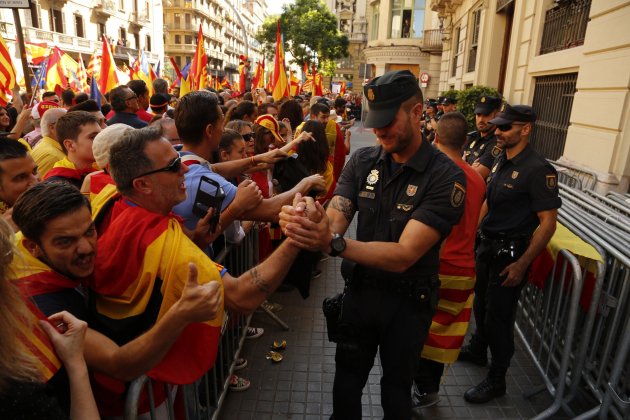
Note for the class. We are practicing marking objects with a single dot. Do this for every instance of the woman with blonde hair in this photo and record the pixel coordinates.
(23, 393)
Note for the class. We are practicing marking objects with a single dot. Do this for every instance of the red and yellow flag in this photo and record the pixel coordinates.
(82, 76)
(294, 84)
(94, 65)
(199, 65)
(225, 84)
(258, 81)
(108, 79)
(66, 169)
(280, 84)
(55, 72)
(7, 73)
(143, 260)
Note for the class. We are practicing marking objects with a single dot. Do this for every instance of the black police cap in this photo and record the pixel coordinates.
(386, 93)
(486, 104)
(516, 113)
(449, 101)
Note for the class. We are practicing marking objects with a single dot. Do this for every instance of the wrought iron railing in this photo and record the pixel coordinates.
(565, 25)
(553, 101)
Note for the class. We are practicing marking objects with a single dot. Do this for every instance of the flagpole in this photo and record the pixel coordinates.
(22, 45)
(39, 79)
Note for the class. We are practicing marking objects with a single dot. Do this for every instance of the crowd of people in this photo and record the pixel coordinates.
(112, 216)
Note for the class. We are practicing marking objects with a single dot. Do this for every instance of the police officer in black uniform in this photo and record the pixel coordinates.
(520, 219)
(408, 196)
(449, 105)
(481, 149)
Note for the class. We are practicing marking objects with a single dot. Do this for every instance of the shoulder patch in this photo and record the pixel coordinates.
(458, 195)
(496, 151)
(552, 181)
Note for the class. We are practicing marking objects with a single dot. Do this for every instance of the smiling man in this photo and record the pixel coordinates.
(408, 196)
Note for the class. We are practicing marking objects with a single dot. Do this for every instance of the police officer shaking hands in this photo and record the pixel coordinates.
(517, 221)
(408, 195)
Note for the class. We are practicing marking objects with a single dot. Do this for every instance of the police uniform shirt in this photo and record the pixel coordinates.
(483, 148)
(518, 188)
(429, 188)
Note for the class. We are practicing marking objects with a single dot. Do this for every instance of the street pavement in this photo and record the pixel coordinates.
(300, 386)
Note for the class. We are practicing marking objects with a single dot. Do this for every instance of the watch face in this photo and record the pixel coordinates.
(338, 244)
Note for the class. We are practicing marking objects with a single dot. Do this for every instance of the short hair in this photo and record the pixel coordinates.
(238, 125)
(318, 108)
(139, 87)
(67, 96)
(452, 129)
(89, 106)
(413, 101)
(228, 138)
(160, 86)
(118, 98)
(50, 117)
(81, 97)
(11, 149)
(339, 102)
(128, 159)
(48, 94)
(193, 114)
(43, 202)
(68, 125)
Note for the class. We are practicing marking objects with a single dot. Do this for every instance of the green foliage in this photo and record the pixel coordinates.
(466, 100)
(309, 29)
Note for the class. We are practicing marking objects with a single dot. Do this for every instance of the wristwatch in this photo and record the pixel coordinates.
(337, 245)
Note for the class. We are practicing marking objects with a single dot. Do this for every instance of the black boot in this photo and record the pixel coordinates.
(487, 390)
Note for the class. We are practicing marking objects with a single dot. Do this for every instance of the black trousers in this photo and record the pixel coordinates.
(495, 310)
(428, 376)
(397, 325)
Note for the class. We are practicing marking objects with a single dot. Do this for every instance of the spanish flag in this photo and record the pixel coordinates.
(107, 78)
(563, 238)
(199, 66)
(259, 76)
(56, 79)
(280, 84)
(141, 270)
(66, 169)
(294, 84)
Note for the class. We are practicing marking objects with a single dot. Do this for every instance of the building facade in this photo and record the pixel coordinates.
(568, 59)
(77, 28)
(353, 24)
(228, 29)
(404, 34)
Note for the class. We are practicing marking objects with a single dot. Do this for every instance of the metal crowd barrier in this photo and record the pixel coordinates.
(579, 178)
(203, 399)
(584, 354)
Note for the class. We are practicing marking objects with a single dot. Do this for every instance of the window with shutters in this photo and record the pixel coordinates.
(178, 39)
(35, 14)
(407, 19)
(56, 21)
(475, 23)
(78, 26)
(455, 52)
(374, 32)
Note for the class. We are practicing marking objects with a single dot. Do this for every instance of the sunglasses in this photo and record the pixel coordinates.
(248, 136)
(507, 127)
(173, 167)
(134, 96)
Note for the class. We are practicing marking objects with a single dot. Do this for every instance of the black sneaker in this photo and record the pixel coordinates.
(424, 399)
(487, 390)
(468, 355)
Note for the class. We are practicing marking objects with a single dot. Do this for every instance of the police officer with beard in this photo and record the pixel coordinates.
(481, 149)
(408, 195)
(517, 221)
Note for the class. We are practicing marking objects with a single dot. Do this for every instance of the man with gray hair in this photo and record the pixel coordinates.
(48, 150)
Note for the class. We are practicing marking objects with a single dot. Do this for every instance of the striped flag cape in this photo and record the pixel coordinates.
(141, 269)
(66, 169)
(7, 73)
(34, 278)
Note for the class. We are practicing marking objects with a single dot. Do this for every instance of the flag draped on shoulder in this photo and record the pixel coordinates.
(108, 79)
(280, 84)
(7, 73)
(199, 66)
(141, 270)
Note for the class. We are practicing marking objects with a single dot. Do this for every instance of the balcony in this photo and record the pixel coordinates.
(565, 26)
(432, 41)
(65, 42)
(7, 30)
(182, 26)
(139, 18)
(171, 49)
(357, 37)
(104, 8)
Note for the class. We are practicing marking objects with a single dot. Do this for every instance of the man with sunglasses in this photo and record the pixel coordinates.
(481, 149)
(125, 104)
(517, 221)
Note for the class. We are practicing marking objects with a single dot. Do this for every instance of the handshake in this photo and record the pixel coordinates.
(306, 225)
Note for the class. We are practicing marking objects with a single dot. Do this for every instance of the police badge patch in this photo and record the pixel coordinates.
(552, 181)
(411, 190)
(372, 178)
(370, 94)
(458, 195)
(514, 174)
(496, 151)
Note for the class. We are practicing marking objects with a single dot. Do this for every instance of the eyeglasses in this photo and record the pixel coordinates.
(248, 136)
(506, 127)
(132, 97)
(174, 167)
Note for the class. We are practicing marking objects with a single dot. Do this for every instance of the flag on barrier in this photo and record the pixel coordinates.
(563, 238)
